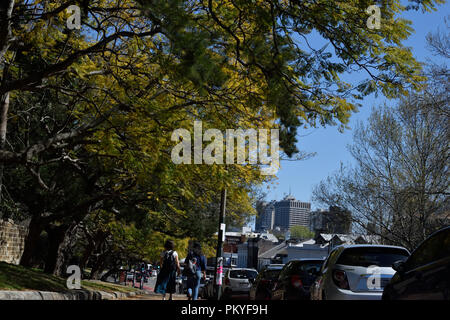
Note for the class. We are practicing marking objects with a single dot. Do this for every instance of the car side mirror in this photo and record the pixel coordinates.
(399, 266)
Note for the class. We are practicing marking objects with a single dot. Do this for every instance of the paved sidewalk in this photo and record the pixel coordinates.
(156, 296)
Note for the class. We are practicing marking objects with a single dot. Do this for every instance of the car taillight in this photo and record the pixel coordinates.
(296, 281)
(340, 279)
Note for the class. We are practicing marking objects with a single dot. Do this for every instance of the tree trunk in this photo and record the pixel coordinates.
(56, 237)
(97, 268)
(3, 125)
(110, 272)
(6, 9)
(65, 252)
(99, 265)
(87, 254)
(31, 240)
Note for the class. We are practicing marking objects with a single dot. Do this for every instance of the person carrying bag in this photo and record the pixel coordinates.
(170, 267)
(195, 266)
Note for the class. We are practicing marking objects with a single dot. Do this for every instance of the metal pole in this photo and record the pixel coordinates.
(219, 257)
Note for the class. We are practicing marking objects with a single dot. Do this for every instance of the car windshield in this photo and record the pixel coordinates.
(243, 274)
(366, 256)
(309, 267)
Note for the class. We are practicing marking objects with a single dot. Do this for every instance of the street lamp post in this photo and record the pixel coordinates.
(219, 257)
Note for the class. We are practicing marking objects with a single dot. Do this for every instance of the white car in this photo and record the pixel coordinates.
(357, 272)
(130, 275)
(238, 281)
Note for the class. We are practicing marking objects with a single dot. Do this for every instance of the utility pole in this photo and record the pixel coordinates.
(221, 236)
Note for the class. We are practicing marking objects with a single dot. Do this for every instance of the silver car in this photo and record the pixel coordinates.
(238, 281)
(357, 272)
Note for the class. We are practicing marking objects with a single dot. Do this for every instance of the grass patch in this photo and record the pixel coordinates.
(106, 286)
(14, 277)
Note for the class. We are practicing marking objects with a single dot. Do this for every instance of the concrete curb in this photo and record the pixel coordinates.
(69, 295)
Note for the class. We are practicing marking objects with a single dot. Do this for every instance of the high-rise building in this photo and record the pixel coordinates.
(266, 216)
(291, 212)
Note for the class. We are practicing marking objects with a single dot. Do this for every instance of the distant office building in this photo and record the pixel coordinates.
(291, 212)
(333, 220)
(265, 216)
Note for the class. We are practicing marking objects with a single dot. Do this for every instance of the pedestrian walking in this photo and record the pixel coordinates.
(170, 267)
(195, 267)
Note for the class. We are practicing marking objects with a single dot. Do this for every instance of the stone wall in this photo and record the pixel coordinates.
(12, 239)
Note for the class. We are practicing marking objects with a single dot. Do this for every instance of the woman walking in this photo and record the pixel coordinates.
(170, 267)
(198, 260)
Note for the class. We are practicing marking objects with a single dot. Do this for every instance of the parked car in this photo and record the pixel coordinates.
(357, 272)
(203, 289)
(295, 279)
(261, 288)
(425, 275)
(207, 291)
(130, 275)
(180, 284)
(237, 281)
(210, 273)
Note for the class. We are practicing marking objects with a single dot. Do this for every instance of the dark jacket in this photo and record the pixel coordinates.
(201, 260)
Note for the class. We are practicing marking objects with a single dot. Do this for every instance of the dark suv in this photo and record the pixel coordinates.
(425, 275)
(262, 286)
(295, 279)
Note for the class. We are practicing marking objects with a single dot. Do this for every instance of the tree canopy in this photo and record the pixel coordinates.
(87, 114)
(300, 232)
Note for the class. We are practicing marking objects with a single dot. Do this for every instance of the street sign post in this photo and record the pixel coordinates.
(220, 239)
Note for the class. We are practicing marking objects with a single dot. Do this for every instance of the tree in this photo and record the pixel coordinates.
(86, 115)
(438, 74)
(199, 43)
(300, 232)
(398, 188)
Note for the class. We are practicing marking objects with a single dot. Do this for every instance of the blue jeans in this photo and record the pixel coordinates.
(195, 285)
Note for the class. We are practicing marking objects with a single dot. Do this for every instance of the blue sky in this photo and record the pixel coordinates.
(329, 143)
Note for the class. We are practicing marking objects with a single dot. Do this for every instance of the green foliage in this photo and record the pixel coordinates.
(300, 232)
(92, 110)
